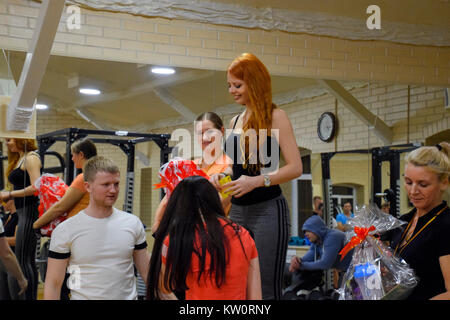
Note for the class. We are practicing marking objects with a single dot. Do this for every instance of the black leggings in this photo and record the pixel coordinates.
(26, 249)
(269, 223)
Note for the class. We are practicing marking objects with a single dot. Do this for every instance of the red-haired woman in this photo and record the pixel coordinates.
(258, 134)
(24, 167)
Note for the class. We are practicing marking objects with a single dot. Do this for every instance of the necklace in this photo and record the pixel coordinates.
(406, 243)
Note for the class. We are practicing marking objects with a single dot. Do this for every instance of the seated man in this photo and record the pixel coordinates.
(323, 254)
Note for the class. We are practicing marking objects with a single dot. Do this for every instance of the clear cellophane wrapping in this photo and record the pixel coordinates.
(374, 272)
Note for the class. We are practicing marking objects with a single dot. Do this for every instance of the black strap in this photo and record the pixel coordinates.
(235, 121)
(143, 245)
(58, 255)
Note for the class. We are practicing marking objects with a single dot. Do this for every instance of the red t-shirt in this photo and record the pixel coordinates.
(235, 285)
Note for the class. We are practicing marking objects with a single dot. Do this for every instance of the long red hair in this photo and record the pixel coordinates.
(24, 145)
(248, 68)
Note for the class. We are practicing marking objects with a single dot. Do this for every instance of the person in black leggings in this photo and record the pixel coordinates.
(24, 167)
(258, 135)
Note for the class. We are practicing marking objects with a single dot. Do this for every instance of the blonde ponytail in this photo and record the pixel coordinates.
(436, 158)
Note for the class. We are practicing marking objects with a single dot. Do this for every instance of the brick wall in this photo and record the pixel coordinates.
(387, 101)
(124, 37)
(128, 38)
(51, 120)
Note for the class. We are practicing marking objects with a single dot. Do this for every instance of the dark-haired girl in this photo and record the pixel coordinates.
(199, 251)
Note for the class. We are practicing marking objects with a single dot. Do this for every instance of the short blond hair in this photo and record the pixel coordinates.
(96, 164)
(435, 158)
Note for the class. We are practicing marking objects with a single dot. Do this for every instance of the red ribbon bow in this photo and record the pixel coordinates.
(361, 234)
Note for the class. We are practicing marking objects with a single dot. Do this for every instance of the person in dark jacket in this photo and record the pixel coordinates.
(323, 254)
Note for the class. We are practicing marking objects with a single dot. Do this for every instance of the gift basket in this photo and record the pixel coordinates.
(174, 171)
(50, 189)
(374, 272)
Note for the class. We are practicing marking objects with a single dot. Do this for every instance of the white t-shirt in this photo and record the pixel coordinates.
(100, 253)
(1, 228)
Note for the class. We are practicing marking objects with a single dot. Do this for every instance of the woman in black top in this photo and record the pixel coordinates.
(24, 167)
(7, 281)
(259, 134)
(425, 241)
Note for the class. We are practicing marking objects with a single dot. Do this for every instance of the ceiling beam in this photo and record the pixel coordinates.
(141, 88)
(381, 129)
(279, 99)
(92, 119)
(21, 108)
(168, 99)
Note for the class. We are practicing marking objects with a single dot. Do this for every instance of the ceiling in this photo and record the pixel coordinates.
(132, 96)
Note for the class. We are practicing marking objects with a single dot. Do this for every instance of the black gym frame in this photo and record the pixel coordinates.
(379, 155)
(117, 138)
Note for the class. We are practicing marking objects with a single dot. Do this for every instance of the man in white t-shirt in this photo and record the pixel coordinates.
(9, 261)
(98, 245)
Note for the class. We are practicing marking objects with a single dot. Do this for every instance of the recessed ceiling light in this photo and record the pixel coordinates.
(41, 106)
(89, 91)
(162, 70)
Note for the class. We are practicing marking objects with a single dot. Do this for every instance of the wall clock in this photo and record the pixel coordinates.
(326, 126)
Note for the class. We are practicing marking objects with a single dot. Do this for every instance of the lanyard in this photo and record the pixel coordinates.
(409, 225)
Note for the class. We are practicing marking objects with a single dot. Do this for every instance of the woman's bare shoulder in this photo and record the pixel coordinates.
(279, 118)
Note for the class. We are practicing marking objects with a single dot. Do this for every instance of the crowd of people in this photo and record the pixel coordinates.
(206, 245)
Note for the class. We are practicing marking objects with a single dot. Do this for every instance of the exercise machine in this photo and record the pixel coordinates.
(120, 139)
(125, 140)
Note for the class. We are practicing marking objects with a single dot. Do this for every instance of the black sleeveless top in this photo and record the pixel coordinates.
(271, 163)
(423, 252)
(10, 222)
(20, 180)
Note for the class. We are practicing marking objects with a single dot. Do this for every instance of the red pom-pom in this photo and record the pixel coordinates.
(176, 170)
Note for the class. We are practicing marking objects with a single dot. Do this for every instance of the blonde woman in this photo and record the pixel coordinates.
(425, 242)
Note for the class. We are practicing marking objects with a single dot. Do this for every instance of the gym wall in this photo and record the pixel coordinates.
(387, 67)
(131, 38)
